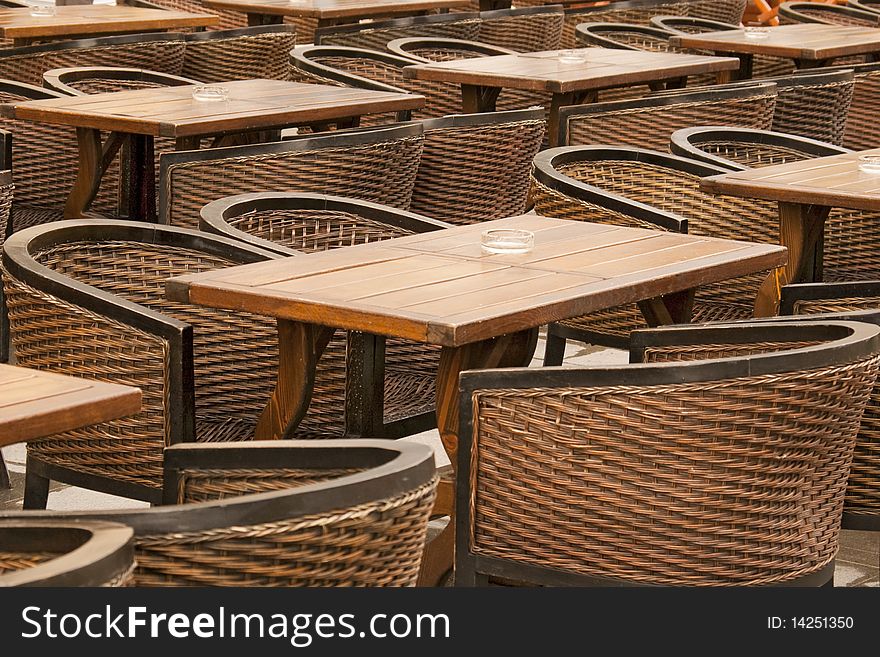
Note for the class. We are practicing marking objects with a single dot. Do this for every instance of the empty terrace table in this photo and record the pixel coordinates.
(330, 12)
(808, 44)
(482, 309)
(139, 116)
(806, 191)
(80, 21)
(569, 83)
(35, 404)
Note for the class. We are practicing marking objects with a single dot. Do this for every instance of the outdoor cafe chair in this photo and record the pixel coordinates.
(374, 35)
(280, 513)
(811, 12)
(719, 456)
(83, 80)
(646, 189)
(862, 128)
(524, 29)
(261, 52)
(70, 552)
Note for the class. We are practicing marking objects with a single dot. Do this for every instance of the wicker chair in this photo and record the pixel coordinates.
(80, 81)
(527, 29)
(646, 189)
(625, 36)
(377, 165)
(862, 128)
(87, 298)
(810, 12)
(649, 122)
(476, 167)
(370, 69)
(636, 12)
(282, 513)
(5, 228)
(246, 53)
(161, 52)
(288, 224)
(375, 34)
(856, 301)
(718, 457)
(65, 553)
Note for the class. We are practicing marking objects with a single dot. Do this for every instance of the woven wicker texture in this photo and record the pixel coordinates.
(206, 485)
(5, 209)
(803, 13)
(374, 544)
(99, 85)
(469, 174)
(818, 111)
(263, 56)
(725, 11)
(727, 482)
(523, 33)
(383, 172)
(610, 14)
(862, 128)
(651, 127)
(160, 55)
(375, 38)
(13, 561)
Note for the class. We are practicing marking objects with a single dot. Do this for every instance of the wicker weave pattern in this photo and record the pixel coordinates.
(206, 485)
(263, 56)
(751, 154)
(817, 111)
(633, 15)
(383, 172)
(472, 174)
(862, 129)
(745, 487)
(376, 38)
(161, 56)
(651, 127)
(5, 209)
(726, 11)
(551, 203)
(109, 85)
(228, 19)
(376, 544)
(525, 33)
(694, 352)
(13, 561)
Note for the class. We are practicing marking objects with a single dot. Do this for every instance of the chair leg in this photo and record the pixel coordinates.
(554, 349)
(4, 474)
(36, 489)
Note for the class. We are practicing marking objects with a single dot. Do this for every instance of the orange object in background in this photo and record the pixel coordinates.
(765, 11)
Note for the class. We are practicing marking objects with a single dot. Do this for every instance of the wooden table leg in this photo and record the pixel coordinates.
(512, 350)
(476, 99)
(88, 176)
(300, 345)
(141, 169)
(801, 229)
(674, 308)
(256, 19)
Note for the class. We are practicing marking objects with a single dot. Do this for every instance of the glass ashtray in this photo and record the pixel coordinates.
(869, 163)
(210, 93)
(571, 57)
(507, 240)
(756, 32)
(42, 10)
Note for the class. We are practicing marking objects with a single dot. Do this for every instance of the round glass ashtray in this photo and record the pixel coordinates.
(756, 32)
(571, 56)
(507, 240)
(869, 164)
(210, 94)
(42, 10)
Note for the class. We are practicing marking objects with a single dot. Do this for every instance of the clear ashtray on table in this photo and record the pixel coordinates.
(507, 240)
(210, 93)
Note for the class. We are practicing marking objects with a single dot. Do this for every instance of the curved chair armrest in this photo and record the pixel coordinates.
(791, 294)
(299, 59)
(59, 79)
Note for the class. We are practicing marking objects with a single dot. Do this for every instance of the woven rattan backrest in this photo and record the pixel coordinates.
(807, 12)
(228, 19)
(667, 467)
(637, 12)
(377, 166)
(725, 11)
(374, 35)
(862, 129)
(476, 168)
(814, 105)
(649, 122)
(629, 37)
(689, 24)
(107, 79)
(530, 30)
(432, 49)
(157, 52)
(250, 53)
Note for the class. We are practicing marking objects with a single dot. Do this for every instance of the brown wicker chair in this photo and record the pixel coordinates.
(810, 12)
(282, 513)
(5, 230)
(377, 165)
(648, 122)
(375, 34)
(370, 69)
(87, 298)
(636, 12)
(246, 53)
(476, 167)
(646, 189)
(83, 80)
(287, 224)
(161, 52)
(65, 553)
(526, 29)
(718, 457)
(862, 128)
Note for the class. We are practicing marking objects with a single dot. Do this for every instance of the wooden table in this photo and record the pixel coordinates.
(806, 191)
(483, 78)
(329, 12)
(808, 44)
(137, 117)
(80, 21)
(483, 310)
(35, 404)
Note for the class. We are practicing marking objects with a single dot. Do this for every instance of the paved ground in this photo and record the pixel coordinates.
(858, 563)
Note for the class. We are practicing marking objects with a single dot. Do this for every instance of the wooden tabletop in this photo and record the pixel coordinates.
(77, 20)
(323, 9)
(542, 71)
(440, 288)
(834, 181)
(35, 404)
(808, 41)
(172, 112)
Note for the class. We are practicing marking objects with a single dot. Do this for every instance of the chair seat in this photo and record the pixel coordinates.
(408, 394)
